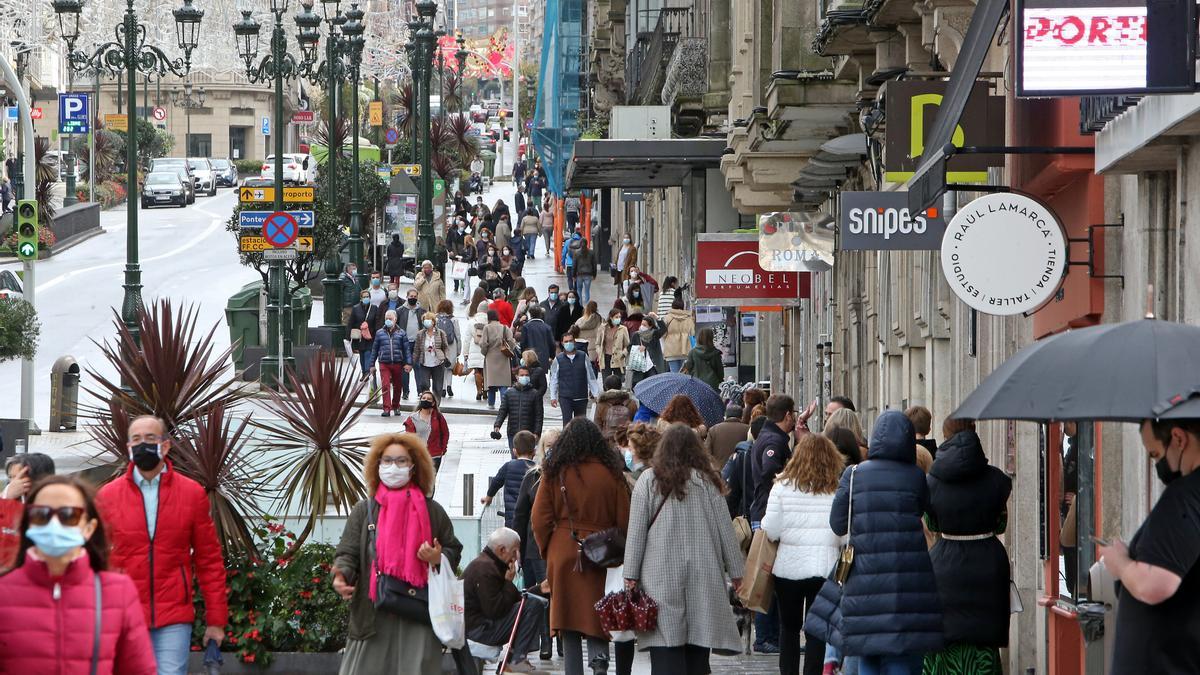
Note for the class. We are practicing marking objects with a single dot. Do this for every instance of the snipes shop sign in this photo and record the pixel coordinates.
(1004, 254)
(728, 274)
(882, 221)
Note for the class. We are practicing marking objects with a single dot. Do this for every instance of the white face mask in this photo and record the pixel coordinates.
(394, 476)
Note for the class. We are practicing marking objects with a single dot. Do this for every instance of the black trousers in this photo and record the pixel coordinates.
(529, 625)
(688, 659)
(793, 597)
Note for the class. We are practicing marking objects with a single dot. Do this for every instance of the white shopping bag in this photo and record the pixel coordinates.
(458, 269)
(446, 605)
(614, 582)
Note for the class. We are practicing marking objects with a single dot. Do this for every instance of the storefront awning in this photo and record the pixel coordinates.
(655, 163)
(929, 182)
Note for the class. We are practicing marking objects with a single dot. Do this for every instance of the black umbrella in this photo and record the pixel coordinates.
(1124, 372)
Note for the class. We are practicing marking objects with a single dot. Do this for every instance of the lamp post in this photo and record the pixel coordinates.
(130, 54)
(330, 73)
(188, 102)
(410, 48)
(277, 66)
(352, 32)
(425, 39)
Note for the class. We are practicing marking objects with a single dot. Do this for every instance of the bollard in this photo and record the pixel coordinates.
(468, 494)
(64, 394)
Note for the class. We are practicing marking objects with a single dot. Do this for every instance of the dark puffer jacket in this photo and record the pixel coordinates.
(522, 407)
(968, 497)
(889, 605)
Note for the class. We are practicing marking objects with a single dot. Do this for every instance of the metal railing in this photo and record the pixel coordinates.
(647, 63)
(1095, 112)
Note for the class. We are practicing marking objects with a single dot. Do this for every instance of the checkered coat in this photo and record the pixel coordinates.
(682, 562)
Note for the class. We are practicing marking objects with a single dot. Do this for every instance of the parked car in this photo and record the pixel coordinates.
(177, 164)
(298, 168)
(226, 171)
(58, 159)
(164, 188)
(206, 178)
(258, 181)
(10, 286)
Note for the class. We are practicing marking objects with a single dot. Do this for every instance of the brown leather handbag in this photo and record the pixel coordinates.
(603, 549)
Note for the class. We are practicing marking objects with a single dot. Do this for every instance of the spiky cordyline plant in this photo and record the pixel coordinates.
(321, 463)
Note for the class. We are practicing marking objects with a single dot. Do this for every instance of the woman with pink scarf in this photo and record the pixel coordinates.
(412, 532)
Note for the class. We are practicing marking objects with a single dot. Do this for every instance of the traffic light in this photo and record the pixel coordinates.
(27, 229)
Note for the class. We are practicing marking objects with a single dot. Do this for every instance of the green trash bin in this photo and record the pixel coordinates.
(489, 163)
(241, 313)
(302, 302)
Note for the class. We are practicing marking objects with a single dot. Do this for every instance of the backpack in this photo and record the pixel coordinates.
(616, 417)
(449, 326)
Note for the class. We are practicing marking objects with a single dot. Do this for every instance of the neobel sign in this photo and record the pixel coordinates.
(728, 273)
(882, 221)
(1093, 47)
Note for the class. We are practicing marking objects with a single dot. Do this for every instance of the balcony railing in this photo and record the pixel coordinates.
(1095, 112)
(646, 64)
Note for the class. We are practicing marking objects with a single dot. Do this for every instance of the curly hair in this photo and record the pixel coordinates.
(681, 409)
(815, 466)
(678, 455)
(751, 398)
(643, 440)
(422, 476)
(581, 441)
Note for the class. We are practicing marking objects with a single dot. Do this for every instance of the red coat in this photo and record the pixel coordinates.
(504, 311)
(185, 548)
(39, 634)
(439, 433)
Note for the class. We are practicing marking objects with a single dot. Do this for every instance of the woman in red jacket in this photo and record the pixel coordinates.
(428, 423)
(48, 620)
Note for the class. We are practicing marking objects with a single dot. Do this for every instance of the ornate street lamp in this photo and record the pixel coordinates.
(426, 41)
(352, 34)
(276, 66)
(130, 53)
(189, 103)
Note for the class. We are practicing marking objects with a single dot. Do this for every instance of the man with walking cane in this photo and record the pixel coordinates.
(495, 611)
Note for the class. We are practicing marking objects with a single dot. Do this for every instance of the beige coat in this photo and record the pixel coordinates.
(503, 235)
(678, 341)
(619, 348)
(497, 369)
(439, 346)
(531, 224)
(591, 328)
(430, 291)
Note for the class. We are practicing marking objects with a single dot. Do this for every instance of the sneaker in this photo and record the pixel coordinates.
(386, 413)
(831, 669)
(547, 654)
(767, 648)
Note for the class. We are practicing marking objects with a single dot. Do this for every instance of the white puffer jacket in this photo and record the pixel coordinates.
(799, 521)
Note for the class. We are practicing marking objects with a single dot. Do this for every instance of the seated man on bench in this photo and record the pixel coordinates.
(493, 604)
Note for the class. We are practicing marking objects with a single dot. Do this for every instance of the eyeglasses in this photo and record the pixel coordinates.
(147, 438)
(397, 461)
(67, 515)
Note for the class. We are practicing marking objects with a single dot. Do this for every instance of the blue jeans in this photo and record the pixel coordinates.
(908, 664)
(583, 286)
(492, 394)
(172, 645)
(571, 278)
(530, 244)
(364, 360)
(406, 377)
(675, 364)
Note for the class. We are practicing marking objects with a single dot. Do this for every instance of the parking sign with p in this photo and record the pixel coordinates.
(73, 114)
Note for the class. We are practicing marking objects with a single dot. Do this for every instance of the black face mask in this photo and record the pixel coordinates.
(1165, 473)
(425, 405)
(412, 301)
(145, 455)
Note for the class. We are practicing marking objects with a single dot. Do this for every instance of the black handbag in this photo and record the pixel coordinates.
(603, 549)
(393, 595)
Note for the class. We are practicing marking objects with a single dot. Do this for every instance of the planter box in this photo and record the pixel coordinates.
(292, 663)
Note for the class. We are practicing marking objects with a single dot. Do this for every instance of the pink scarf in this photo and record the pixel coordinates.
(403, 526)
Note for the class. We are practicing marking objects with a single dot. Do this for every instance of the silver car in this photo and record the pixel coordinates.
(206, 177)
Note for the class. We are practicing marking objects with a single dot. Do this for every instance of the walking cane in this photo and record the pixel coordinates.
(512, 636)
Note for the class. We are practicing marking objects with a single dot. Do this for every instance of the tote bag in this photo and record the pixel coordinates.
(758, 586)
(446, 602)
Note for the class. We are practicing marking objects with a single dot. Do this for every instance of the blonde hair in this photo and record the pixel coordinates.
(429, 316)
(547, 440)
(815, 466)
(422, 464)
(643, 440)
(845, 418)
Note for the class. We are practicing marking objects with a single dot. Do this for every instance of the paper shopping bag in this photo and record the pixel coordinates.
(757, 583)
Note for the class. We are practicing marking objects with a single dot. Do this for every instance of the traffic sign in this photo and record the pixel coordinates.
(10, 113)
(279, 254)
(255, 243)
(266, 126)
(26, 251)
(254, 221)
(392, 136)
(73, 114)
(160, 113)
(303, 116)
(439, 187)
(280, 229)
(117, 121)
(375, 113)
(412, 170)
(256, 194)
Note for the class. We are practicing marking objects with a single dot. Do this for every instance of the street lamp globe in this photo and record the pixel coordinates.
(69, 12)
(246, 32)
(426, 9)
(279, 6)
(331, 8)
(187, 24)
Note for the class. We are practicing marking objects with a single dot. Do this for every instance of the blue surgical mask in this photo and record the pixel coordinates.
(616, 321)
(428, 323)
(365, 301)
(569, 346)
(54, 539)
(571, 301)
(523, 380)
(389, 323)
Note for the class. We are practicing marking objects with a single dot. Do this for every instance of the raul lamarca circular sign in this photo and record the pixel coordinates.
(1004, 253)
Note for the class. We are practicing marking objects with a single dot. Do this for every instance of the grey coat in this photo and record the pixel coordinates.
(682, 563)
(497, 369)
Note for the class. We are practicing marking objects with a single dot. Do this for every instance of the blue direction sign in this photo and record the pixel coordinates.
(254, 220)
(73, 115)
(266, 125)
